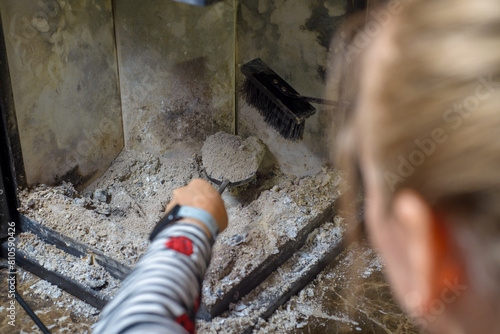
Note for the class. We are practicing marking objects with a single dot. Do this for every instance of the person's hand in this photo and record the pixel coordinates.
(200, 194)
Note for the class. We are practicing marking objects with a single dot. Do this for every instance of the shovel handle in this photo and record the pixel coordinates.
(223, 186)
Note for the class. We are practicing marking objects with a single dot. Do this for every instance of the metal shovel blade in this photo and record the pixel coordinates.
(230, 160)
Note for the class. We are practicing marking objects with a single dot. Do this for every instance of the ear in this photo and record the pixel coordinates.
(431, 255)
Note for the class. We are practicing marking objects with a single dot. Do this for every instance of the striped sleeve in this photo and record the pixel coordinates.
(162, 294)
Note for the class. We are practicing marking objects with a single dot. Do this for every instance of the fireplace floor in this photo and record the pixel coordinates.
(321, 307)
(271, 220)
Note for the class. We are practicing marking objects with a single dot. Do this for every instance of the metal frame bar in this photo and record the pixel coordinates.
(70, 246)
(11, 164)
(73, 247)
(78, 290)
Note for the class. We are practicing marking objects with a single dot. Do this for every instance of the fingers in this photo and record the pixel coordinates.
(200, 194)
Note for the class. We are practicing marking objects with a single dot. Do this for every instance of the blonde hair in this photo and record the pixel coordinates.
(439, 130)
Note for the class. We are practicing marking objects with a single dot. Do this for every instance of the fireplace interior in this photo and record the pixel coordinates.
(105, 108)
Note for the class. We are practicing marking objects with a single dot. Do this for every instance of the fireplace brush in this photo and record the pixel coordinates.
(282, 106)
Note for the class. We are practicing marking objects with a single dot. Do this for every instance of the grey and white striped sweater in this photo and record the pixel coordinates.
(162, 293)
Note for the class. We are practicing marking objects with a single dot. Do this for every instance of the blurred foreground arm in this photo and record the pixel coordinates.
(162, 294)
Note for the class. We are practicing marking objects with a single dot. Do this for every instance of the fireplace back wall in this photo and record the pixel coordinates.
(92, 77)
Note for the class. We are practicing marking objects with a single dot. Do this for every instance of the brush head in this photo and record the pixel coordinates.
(262, 90)
(287, 127)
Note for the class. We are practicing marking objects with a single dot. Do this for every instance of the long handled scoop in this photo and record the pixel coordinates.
(230, 160)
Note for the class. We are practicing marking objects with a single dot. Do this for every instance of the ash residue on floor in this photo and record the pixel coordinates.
(249, 311)
(349, 296)
(259, 229)
(116, 213)
(82, 269)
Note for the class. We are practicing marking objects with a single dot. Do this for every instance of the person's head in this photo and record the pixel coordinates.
(425, 130)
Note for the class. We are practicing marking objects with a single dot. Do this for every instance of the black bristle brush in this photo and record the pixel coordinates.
(281, 105)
